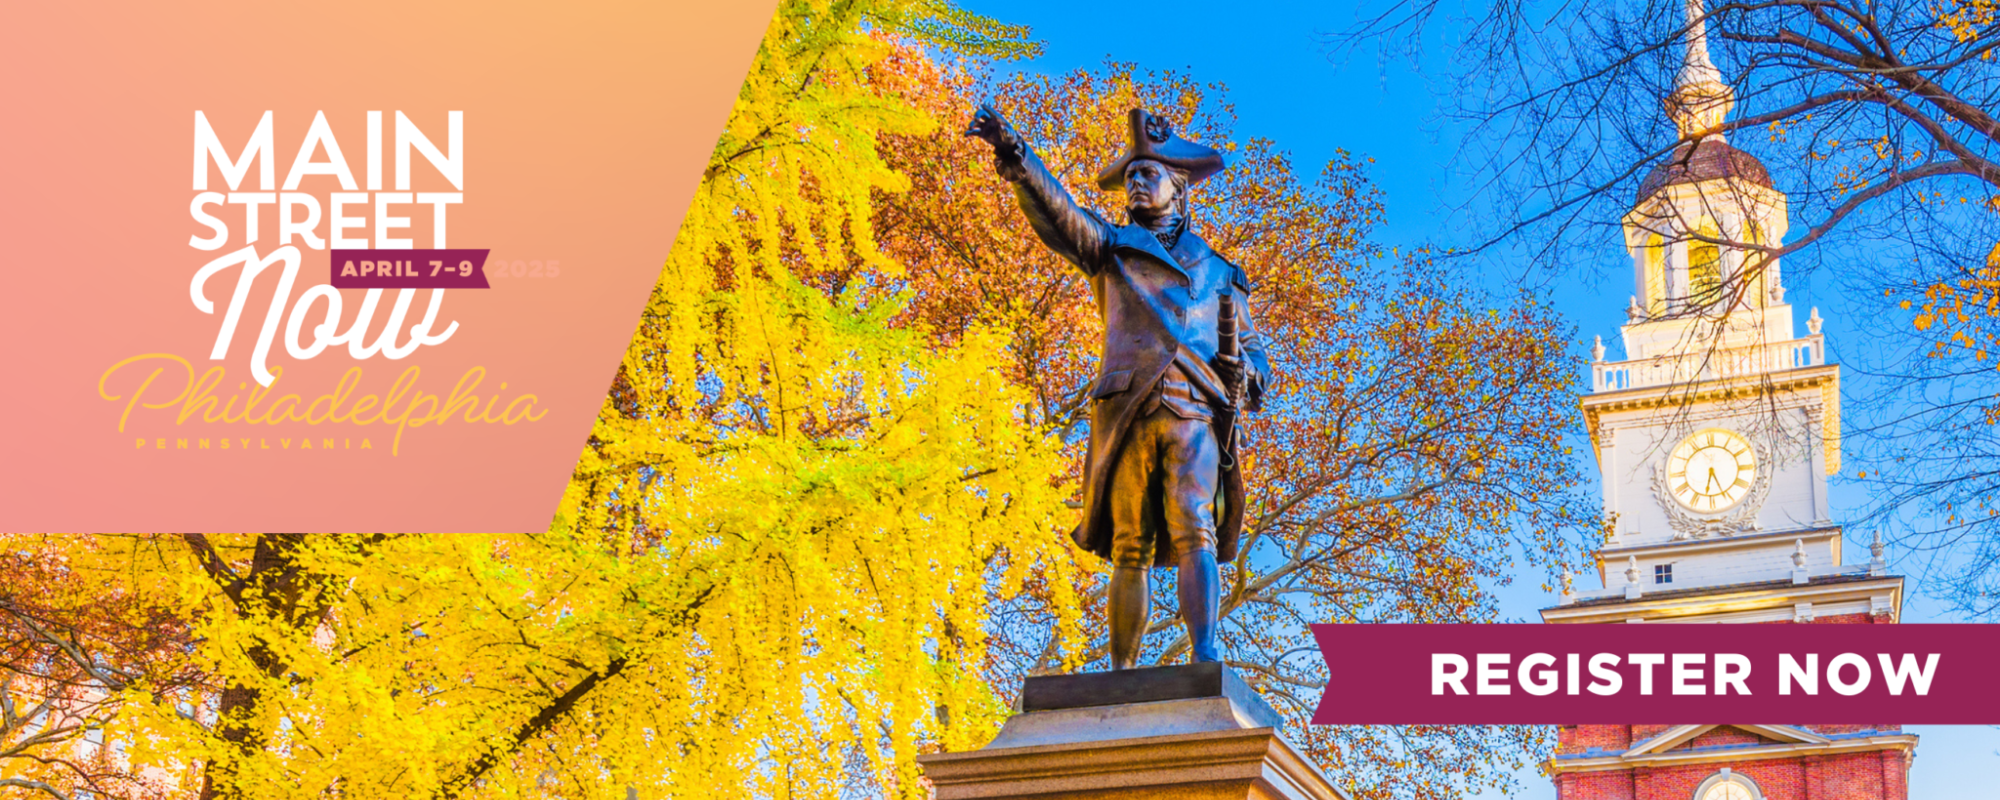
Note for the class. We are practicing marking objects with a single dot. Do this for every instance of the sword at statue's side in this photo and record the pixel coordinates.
(1229, 346)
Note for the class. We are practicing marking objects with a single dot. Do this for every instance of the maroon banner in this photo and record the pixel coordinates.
(1659, 674)
(409, 269)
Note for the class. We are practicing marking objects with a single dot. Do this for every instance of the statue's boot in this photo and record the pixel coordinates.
(1130, 600)
(1200, 591)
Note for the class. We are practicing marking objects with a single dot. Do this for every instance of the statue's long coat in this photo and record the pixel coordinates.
(1158, 305)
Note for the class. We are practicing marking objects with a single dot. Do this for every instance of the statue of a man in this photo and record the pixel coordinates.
(1161, 486)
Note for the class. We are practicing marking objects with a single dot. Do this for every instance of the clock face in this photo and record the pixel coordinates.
(1711, 470)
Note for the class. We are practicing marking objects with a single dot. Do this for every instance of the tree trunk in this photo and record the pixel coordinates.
(273, 590)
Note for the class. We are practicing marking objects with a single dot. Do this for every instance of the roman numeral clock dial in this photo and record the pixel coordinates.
(1711, 471)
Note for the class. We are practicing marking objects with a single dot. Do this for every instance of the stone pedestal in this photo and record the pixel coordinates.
(1182, 732)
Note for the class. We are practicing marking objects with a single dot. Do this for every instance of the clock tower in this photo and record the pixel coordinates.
(1714, 437)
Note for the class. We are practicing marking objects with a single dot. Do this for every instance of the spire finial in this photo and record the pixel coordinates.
(1700, 100)
(1695, 66)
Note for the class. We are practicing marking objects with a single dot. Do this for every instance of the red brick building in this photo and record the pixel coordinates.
(1714, 438)
(1733, 762)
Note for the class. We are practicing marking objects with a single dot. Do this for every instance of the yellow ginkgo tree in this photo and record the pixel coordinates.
(770, 575)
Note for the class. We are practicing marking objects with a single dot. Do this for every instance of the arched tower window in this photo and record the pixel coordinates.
(1704, 269)
(1759, 293)
(1654, 289)
(1728, 785)
(1727, 791)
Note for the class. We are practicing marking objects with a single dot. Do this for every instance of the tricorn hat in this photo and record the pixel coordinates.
(1152, 138)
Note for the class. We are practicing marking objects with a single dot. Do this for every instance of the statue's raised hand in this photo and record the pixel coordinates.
(989, 126)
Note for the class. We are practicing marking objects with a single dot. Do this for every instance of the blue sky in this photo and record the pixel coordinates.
(1287, 87)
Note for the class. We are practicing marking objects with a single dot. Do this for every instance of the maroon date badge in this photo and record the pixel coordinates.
(409, 269)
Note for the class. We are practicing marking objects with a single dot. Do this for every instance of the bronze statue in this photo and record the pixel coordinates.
(1181, 357)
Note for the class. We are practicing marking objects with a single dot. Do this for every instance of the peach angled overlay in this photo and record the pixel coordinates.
(565, 139)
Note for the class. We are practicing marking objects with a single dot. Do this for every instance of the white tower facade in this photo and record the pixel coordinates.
(1716, 432)
(1715, 435)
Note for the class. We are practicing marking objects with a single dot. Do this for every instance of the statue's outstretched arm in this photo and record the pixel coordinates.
(1073, 232)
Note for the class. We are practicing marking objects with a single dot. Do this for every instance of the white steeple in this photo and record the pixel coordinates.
(1695, 230)
(1716, 430)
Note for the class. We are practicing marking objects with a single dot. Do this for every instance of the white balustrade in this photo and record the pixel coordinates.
(1708, 364)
